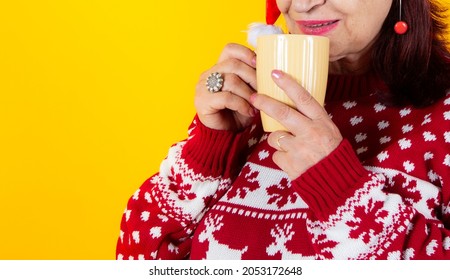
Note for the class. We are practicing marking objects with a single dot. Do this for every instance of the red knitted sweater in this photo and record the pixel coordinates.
(384, 193)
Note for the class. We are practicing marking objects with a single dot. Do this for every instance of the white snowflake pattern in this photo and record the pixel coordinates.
(155, 232)
(383, 156)
(136, 194)
(431, 247)
(154, 254)
(263, 155)
(447, 116)
(447, 101)
(382, 125)
(127, 214)
(173, 249)
(379, 107)
(447, 243)
(426, 119)
(446, 209)
(410, 228)
(409, 166)
(433, 176)
(408, 254)
(141, 257)
(360, 137)
(447, 137)
(428, 136)
(349, 104)
(356, 120)
(148, 197)
(404, 143)
(394, 255)
(447, 160)
(252, 142)
(145, 215)
(163, 218)
(135, 235)
(362, 150)
(385, 139)
(428, 156)
(121, 236)
(405, 112)
(407, 128)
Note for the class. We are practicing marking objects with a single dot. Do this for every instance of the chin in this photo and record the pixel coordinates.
(334, 57)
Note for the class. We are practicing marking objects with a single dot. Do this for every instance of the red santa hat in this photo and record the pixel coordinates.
(272, 11)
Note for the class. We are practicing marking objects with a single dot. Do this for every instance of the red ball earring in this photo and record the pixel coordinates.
(400, 27)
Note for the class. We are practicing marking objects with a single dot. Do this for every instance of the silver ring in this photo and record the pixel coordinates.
(214, 82)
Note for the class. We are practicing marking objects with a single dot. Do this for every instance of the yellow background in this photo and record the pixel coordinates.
(92, 94)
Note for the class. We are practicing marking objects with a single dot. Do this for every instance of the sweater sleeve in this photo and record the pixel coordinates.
(162, 215)
(362, 214)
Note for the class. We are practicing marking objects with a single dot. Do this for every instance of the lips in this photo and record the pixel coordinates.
(317, 27)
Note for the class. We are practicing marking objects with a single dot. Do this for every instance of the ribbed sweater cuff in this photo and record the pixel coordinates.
(213, 152)
(327, 185)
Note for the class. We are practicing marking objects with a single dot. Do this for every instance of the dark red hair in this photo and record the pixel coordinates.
(416, 65)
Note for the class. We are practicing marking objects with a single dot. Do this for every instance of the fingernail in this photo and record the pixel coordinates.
(277, 74)
(254, 61)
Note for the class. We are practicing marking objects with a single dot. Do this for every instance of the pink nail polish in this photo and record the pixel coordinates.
(277, 74)
(254, 61)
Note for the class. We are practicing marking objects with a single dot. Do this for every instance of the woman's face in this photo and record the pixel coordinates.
(351, 25)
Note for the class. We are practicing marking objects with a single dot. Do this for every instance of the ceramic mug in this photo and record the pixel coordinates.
(304, 57)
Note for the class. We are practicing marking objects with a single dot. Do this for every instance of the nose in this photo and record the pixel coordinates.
(303, 6)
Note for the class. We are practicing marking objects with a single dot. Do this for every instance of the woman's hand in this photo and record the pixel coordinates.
(311, 134)
(229, 109)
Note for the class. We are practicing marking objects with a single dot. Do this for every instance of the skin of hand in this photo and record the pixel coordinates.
(229, 109)
(311, 134)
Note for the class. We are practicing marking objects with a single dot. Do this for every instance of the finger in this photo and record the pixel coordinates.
(233, 83)
(289, 117)
(239, 52)
(209, 103)
(302, 99)
(234, 66)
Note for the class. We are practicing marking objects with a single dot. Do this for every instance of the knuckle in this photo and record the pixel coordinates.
(199, 87)
(232, 80)
(283, 112)
(198, 102)
(229, 47)
(272, 139)
(304, 98)
(228, 98)
(233, 63)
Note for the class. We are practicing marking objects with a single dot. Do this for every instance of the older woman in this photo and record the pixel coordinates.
(366, 178)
